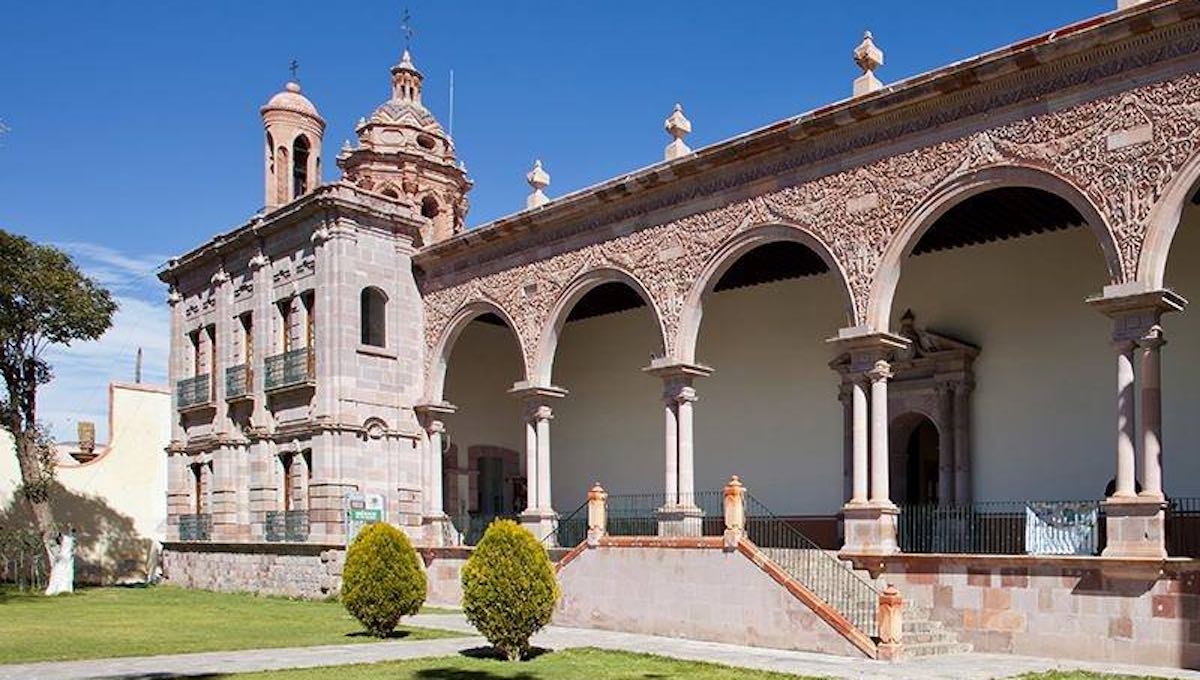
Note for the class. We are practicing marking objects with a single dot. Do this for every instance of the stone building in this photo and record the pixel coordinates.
(890, 316)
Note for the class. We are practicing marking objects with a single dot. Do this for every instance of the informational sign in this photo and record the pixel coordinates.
(361, 509)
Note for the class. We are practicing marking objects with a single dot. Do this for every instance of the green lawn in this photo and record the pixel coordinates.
(1080, 675)
(571, 664)
(106, 622)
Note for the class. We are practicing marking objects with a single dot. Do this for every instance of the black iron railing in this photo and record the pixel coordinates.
(193, 391)
(288, 369)
(195, 527)
(650, 514)
(1003, 528)
(571, 529)
(287, 525)
(1183, 527)
(815, 568)
(473, 526)
(238, 381)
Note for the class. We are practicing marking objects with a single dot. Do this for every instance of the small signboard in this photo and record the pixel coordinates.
(361, 509)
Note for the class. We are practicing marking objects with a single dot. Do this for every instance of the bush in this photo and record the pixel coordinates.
(509, 587)
(382, 579)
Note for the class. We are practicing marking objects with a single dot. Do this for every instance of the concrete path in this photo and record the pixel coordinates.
(956, 667)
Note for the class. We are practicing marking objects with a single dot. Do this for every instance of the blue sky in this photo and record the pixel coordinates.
(133, 128)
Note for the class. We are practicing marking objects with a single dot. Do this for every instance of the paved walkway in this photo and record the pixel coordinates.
(955, 667)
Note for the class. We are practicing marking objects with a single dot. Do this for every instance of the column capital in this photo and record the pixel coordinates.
(1152, 338)
(674, 370)
(882, 370)
(537, 394)
(1124, 345)
(1135, 314)
(867, 347)
(431, 415)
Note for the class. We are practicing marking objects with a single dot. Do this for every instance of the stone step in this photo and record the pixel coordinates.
(929, 638)
(920, 626)
(915, 650)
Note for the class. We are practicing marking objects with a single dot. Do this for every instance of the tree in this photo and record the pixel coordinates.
(44, 300)
(382, 579)
(509, 587)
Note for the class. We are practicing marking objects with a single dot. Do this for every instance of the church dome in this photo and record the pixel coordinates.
(290, 99)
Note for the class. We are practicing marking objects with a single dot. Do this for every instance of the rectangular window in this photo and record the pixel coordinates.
(243, 339)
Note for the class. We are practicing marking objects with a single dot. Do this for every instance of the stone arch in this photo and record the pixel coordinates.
(1162, 223)
(468, 312)
(571, 294)
(959, 188)
(725, 257)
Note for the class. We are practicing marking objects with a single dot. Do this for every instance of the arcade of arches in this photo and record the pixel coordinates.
(1003, 391)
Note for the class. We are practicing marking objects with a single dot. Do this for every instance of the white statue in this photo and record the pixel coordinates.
(62, 565)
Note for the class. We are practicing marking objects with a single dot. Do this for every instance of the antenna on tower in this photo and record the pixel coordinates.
(137, 370)
(451, 131)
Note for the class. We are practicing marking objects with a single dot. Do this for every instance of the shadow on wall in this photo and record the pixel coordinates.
(109, 551)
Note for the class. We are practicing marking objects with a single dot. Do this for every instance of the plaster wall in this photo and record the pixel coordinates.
(117, 501)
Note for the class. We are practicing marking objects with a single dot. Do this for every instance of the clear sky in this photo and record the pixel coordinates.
(134, 133)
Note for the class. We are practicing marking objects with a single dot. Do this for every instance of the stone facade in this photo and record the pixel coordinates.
(1126, 611)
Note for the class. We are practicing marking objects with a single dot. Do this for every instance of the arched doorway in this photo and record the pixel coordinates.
(915, 445)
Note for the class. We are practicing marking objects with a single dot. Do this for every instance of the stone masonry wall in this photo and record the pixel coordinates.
(694, 593)
(1079, 608)
(293, 570)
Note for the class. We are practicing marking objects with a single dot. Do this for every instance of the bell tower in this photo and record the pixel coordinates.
(404, 154)
(292, 149)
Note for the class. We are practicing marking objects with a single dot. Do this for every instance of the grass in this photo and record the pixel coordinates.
(109, 622)
(571, 664)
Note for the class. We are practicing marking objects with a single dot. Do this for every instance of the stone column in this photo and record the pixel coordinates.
(869, 517)
(962, 443)
(858, 397)
(1150, 425)
(539, 516)
(879, 375)
(438, 531)
(679, 514)
(946, 479)
(1135, 524)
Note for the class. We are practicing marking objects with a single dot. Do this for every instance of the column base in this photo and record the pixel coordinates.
(870, 528)
(542, 523)
(1135, 527)
(437, 531)
(680, 520)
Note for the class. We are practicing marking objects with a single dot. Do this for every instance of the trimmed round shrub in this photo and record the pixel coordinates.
(509, 587)
(382, 579)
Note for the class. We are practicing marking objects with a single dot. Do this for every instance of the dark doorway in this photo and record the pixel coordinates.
(491, 487)
(914, 460)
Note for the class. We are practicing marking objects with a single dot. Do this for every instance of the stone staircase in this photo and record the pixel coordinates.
(922, 636)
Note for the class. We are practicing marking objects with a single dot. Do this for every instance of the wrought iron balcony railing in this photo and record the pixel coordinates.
(238, 381)
(195, 391)
(288, 369)
(195, 527)
(287, 525)
(1004, 528)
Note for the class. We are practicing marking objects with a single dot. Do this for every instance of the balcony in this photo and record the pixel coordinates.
(289, 370)
(238, 382)
(195, 527)
(194, 392)
(289, 526)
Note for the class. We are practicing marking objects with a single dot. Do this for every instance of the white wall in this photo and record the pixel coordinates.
(1043, 423)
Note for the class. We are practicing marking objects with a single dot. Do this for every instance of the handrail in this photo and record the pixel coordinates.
(815, 568)
(570, 530)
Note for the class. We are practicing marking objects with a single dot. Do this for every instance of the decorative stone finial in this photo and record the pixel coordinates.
(678, 126)
(539, 179)
(868, 57)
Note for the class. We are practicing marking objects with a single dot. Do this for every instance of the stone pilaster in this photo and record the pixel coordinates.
(438, 530)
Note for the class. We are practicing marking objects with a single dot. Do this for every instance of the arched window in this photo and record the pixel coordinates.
(391, 192)
(270, 154)
(300, 166)
(374, 317)
(429, 207)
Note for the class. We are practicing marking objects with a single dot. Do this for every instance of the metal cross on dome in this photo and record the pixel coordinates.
(294, 67)
(406, 28)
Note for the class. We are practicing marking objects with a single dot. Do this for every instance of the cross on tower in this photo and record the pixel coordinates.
(406, 28)
(294, 67)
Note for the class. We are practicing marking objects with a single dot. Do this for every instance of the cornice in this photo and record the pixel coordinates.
(1060, 64)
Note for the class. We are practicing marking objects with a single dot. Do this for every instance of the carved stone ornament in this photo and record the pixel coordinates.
(1120, 152)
